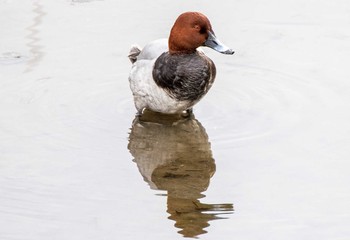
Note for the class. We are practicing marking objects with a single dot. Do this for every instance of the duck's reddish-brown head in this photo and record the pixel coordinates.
(192, 30)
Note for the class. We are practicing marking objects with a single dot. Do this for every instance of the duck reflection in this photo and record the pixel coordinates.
(173, 154)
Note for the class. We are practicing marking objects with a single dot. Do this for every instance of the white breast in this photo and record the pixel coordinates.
(146, 92)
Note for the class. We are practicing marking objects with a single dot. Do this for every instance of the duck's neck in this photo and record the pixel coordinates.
(180, 46)
(181, 52)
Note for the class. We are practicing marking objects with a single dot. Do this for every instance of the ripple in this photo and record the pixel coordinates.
(67, 112)
(257, 103)
(12, 58)
(34, 36)
(84, 1)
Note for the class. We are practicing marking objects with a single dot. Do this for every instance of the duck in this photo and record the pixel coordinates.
(171, 75)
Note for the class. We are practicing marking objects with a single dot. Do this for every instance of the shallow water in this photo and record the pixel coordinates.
(265, 154)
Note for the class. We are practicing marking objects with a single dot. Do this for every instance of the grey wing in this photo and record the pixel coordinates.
(154, 49)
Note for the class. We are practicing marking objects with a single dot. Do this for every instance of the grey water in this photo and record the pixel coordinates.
(264, 156)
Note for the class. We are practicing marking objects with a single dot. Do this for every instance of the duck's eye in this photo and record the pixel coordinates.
(202, 30)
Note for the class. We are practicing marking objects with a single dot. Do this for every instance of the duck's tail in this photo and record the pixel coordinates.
(133, 53)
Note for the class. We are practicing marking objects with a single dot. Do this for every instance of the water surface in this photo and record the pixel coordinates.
(265, 155)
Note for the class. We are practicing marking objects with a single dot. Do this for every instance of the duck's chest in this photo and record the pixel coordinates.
(185, 77)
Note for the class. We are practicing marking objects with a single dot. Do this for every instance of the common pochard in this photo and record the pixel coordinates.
(170, 76)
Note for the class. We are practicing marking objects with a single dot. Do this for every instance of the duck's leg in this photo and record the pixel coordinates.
(138, 114)
(188, 112)
(139, 111)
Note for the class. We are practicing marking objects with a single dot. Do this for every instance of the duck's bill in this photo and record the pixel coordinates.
(215, 44)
